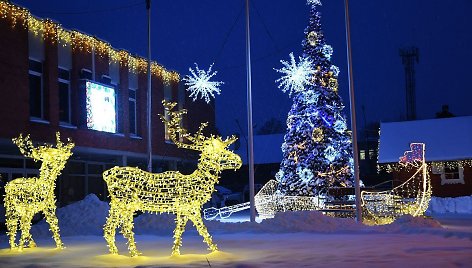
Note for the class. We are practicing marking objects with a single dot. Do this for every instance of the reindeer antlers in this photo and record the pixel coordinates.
(173, 123)
(28, 150)
(25, 145)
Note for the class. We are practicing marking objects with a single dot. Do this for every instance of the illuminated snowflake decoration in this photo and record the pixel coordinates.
(305, 174)
(314, 2)
(279, 176)
(335, 70)
(199, 83)
(339, 126)
(311, 97)
(330, 153)
(295, 76)
(327, 51)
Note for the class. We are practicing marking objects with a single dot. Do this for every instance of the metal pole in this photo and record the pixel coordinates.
(353, 115)
(249, 119)
(149, 93)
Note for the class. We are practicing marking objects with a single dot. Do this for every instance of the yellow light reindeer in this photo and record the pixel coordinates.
(133, 189)
(24, 197)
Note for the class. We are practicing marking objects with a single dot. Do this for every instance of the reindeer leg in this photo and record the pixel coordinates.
(127, 231)
(25, 226)
(12, 219)
(109, 231)
(180, 222)
(50, 214)
(196, 218)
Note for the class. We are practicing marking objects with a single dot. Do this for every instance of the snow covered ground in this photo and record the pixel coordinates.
(297, 239)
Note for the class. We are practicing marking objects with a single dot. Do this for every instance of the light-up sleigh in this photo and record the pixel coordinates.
(410, 197)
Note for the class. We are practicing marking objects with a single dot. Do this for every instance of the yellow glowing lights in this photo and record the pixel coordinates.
(268, 201)
(132, 189)
(53, 32)
(24, 197)
(411, 197)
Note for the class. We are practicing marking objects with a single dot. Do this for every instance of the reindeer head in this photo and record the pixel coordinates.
(214, 150)
(45, 153)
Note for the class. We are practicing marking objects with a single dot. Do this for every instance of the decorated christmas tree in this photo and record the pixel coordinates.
(317, 152)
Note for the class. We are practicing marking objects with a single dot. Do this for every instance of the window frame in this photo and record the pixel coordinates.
(130, 99)
(69, 91)
(42, 98)
(446, 180)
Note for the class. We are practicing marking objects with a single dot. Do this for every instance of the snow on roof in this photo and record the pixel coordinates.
(445, 139)
(267, 149)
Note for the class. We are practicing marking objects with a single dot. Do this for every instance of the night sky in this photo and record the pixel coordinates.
(207, 31)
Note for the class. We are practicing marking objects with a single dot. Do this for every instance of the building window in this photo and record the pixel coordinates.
(133, 128)
(133, 85)
(371, 154)
(451, 172)
(64, 96)
(114, 71)
(36, 97)
(362, 154)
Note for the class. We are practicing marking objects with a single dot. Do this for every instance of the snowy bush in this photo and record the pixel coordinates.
(440, 205)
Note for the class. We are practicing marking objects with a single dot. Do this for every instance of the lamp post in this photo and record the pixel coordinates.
(250, 147)
(353, 115)
(149, 95)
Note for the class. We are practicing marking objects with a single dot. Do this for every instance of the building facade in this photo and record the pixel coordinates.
(53, 79)
(448, 152)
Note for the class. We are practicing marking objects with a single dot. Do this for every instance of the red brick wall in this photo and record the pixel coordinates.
(14, 104)
(452, 190)
(14, 85)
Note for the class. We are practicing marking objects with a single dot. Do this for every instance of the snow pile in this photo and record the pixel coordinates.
(158, 224)
(462, 205)
(85, 217)
(291, 221)
(284, 222)
(408, 224)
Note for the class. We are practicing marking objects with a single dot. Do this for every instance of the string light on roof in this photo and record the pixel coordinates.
(53, 32)
(199, 83)
(295, 75)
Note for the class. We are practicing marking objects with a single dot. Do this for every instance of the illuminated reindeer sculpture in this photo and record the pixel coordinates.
(133, 189)
(24, 197)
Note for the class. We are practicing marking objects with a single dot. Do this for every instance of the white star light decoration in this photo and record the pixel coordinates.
(295, 76)
(199, 83)
(314, 2)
